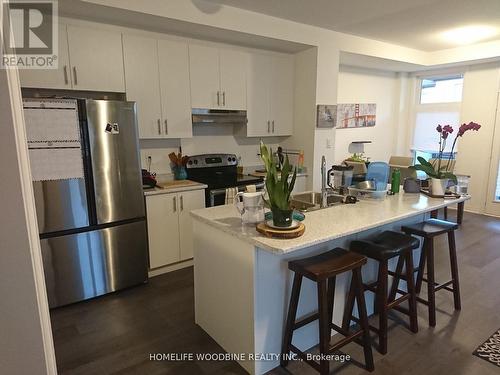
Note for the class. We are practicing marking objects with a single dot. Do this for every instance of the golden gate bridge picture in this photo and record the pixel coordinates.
(356, 115)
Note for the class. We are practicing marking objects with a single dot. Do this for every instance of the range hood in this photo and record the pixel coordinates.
(202, 116)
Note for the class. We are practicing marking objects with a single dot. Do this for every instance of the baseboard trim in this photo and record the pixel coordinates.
(170, 268)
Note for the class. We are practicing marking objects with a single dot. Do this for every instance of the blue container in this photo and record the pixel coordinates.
(379, 172)
(180, 173)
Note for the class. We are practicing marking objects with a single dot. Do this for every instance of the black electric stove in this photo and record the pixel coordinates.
(219, 172)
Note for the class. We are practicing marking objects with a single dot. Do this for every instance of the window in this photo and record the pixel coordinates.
(497, 190)
(438, 102)
(441, 89)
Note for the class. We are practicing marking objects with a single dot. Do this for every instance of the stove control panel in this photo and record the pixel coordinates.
(212, 160)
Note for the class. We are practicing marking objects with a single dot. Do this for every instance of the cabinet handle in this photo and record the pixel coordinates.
(223, 98)
(65, 70)
(218, 98)
(175, 204)
(268, 126)
(75, 77)
(273, 125)
(182, 202)
(166, 126)
(159, 127)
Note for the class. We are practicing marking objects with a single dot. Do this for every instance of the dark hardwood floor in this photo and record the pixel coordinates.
(115, 334)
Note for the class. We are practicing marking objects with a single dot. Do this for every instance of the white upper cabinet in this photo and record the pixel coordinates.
(270, 93)
(142, 84)
(204, 72)
(218, 77)
(259, 76)
(96, 59)
(281, 95)
(233, 78)
(59, 78)
(89, 59)
(175, 89)
(157, 78)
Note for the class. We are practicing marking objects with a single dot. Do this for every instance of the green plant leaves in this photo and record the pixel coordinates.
(277, 186)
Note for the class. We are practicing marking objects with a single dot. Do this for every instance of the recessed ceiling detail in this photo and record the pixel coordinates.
(416, 24)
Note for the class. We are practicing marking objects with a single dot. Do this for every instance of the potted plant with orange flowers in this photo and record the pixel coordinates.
(440, 171)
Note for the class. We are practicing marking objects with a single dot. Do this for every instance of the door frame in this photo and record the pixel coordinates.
(21, 174)
(492, 207)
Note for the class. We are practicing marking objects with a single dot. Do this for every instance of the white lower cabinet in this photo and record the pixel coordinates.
(169, 226)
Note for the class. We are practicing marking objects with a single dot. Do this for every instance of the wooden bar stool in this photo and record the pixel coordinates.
(323, 269)
(428, 230)
(386, 246)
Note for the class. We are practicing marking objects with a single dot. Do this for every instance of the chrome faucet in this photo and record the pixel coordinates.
(324, 191)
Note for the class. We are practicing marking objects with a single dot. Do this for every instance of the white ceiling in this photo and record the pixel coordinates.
(410, 23)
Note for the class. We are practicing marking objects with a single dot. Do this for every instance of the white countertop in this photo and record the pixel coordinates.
(326, 224)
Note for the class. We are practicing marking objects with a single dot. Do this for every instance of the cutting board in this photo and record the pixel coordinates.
(277, 233)
(176, 184)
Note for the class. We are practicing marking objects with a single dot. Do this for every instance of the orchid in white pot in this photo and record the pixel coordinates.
(440, 170)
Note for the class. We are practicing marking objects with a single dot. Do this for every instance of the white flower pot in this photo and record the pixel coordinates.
(438, 186)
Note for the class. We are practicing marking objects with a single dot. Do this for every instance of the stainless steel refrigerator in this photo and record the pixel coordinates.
(88, 193)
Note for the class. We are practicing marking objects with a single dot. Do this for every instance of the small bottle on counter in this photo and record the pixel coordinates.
(300, 162)
(395, 180)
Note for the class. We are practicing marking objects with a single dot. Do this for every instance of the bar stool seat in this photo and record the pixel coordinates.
(326, 265)
(430, 228)
(387, 245)
(323, 270)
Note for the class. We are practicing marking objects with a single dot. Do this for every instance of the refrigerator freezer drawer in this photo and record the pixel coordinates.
(89, 264)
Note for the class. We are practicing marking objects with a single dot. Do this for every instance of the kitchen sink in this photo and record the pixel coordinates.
(311, 201)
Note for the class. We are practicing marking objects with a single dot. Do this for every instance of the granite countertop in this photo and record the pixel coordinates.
(329, 223)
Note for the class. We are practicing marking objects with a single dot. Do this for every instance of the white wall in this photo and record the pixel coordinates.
(481, 86)
(358, 85)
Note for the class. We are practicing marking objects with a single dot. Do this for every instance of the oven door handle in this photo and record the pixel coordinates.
(213, 193)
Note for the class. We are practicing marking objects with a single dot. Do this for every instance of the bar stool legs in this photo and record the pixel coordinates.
(363, 316)
(428, 230)
(290, 320)
(322, 269)
(454, 270)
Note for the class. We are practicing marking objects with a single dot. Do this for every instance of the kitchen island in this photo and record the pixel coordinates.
(242, 282)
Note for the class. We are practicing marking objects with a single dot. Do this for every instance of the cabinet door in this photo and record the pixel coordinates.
(259, 76)
(59, 78)
(204, 73)
(175, 89)
(142, 84)
(189, 200)
(96, 59)
(233, 79)
(163, 229)
(281, 95)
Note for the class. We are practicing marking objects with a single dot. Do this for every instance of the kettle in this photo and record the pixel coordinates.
(250, 206)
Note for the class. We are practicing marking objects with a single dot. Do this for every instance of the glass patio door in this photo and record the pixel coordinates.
(493, 197)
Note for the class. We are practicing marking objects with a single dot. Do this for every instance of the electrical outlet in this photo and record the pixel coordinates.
(328, 143)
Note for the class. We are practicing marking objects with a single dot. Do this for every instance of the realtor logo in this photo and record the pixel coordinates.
(30, 32)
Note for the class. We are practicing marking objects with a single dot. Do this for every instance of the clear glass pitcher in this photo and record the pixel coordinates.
(250, 206)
